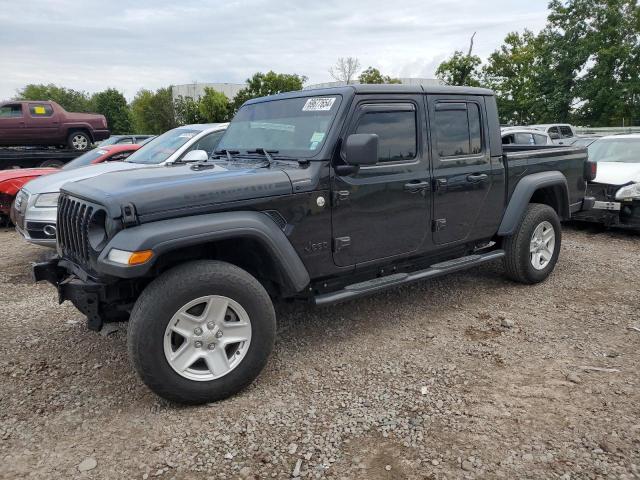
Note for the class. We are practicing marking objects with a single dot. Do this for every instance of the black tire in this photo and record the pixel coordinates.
(52, 163)
(517, 261)
(83, 146)
(170, 292)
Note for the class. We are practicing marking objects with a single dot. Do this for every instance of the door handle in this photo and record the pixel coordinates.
(477, 178)
(415, 187)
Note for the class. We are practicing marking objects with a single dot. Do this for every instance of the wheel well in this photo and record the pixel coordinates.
(80, 129)
(246, 253)
(554, 196)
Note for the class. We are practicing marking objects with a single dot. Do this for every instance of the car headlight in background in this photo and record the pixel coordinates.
(630, 191)
(47, 200)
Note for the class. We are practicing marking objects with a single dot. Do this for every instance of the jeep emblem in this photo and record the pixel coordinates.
(320, 201)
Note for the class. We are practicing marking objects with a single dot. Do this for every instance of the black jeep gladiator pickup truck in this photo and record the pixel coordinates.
(322, 195)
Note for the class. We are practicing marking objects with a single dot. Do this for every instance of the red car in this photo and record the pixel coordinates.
(11, 181)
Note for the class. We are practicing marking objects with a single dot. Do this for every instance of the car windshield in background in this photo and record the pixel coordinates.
(623, 150)
(85, 159)
(294, 127)
(162, 147)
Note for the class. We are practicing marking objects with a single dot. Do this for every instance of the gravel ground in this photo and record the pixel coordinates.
(468, 376)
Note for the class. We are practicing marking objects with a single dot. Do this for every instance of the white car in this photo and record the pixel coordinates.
(35, 208)
(524, 136)
(560, 133)
(616, 187)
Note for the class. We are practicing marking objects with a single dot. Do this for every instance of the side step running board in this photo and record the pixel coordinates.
(382, 283)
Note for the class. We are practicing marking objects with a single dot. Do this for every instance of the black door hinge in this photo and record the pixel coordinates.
(341, 196)
(129, 216)
(341, 243)
(439, 224)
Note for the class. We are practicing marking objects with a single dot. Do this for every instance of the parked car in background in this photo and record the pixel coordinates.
(524, 136)
(36, 204)
(560, 133)
(125, 139)
(47, 123)
(11, 181)
(616, 187)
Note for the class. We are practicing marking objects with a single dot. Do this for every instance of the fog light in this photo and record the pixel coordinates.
(124, 257)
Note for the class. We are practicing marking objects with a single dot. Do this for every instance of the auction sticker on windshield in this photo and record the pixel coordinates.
(318, 104)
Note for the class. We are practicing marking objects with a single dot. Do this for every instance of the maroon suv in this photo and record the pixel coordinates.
(47, 123)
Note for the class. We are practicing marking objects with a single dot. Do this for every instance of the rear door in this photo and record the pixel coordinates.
(462, 168)
(383, 210)
(12, 124)
(42, 121)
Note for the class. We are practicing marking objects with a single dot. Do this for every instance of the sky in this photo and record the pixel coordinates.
(92, 45)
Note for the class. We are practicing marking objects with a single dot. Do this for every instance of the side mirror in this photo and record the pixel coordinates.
(196, 156)
(554, 136)
(361, 149)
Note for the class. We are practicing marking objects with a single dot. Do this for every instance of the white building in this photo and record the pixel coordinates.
(196, 90)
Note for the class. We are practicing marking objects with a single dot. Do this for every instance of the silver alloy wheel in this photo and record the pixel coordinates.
(79, 142)
(543, 243)
(207, 338)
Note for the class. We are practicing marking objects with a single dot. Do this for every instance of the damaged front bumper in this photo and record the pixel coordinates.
(100, 302)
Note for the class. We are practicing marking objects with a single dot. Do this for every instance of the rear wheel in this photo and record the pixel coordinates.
(79, 141)
(201, 332)
(532, 251)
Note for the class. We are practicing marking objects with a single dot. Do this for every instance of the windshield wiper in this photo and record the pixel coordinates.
(228, 153)
(266, 153)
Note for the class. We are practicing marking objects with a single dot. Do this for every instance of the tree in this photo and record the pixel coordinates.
(187, 111)
(153, 111)
(345, 69)
(69, 99)
(373, 76)
(460, 69)
(270, 83)
(213, 106)
(112, 104)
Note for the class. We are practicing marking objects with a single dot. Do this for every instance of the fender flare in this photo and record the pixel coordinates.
(166, 235)
(523, 193)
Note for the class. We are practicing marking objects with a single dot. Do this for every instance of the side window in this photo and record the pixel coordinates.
(508, 140)
(40, 110)
(11, 111)
(458, 129)
(208, 143)
(554, 131)
(540, 139)
(396, 130)
(566, 132)
(524, 139)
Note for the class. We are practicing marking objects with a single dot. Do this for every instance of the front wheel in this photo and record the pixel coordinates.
(201, 332)
(532, 251)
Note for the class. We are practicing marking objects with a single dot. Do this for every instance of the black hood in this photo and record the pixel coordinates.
(180, 188)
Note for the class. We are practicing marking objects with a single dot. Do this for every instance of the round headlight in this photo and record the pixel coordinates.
(96, 232)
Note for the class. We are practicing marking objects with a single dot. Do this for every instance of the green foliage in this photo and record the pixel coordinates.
(373, 76)
(214, 106)
(187, 111)
(112, 104)
(270, 83)
(460, 69)
(69, 99)
(153, 111)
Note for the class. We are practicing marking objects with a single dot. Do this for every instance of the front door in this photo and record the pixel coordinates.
(383, 210)
(461, 167)
(42, 122)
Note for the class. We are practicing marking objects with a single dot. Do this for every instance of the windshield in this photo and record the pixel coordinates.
(623, 150)
(162, 147)
(85, 159)
(293, 127)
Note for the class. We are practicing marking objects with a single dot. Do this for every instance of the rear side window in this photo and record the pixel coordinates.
(524, 139)
(540, 139)
(566, 132)
(396, 132)
(458, 129)
(208, 143)
(11, 111)
(40, 110)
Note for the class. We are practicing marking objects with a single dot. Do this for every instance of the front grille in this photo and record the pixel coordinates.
(73, 220)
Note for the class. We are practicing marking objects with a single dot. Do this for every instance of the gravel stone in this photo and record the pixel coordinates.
(87, 464)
